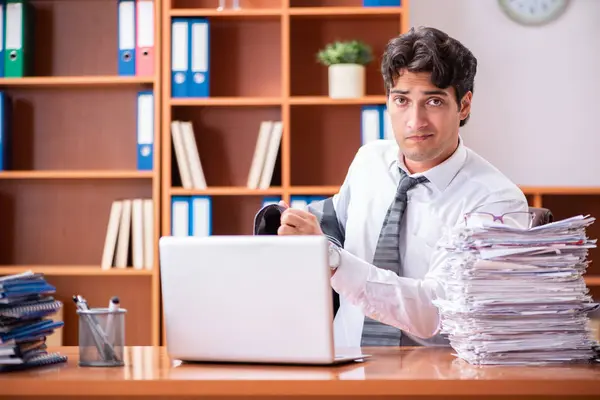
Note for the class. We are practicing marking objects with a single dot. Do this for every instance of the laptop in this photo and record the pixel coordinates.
(249, 299)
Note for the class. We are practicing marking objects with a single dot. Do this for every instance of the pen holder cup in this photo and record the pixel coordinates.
(101, 337)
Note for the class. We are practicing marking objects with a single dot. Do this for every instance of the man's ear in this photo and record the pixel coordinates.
(465, 105)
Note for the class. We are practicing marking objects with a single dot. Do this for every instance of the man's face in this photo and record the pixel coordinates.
(425, 119)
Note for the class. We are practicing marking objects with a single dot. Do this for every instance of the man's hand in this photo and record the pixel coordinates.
(298, 222)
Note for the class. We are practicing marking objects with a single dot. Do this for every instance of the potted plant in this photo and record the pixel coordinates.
(346, 61)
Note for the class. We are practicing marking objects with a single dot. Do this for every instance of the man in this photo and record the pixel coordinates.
(400, 195)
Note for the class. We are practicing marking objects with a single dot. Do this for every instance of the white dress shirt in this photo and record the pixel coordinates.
(464, 182)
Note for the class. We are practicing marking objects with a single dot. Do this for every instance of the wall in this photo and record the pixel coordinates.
(536, 105)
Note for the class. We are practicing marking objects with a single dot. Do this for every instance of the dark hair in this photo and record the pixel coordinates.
(427, 49)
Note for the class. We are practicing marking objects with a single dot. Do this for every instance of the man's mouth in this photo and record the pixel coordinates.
(419, 138)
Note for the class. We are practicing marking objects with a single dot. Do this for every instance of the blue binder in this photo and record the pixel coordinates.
(201, 225)
(126, 37)
(270, 200)
(5, 128)
(145, 130)
(381, 3)
(199, 56)
(3, 33)
(181, 223)
(180, 54)
(370, 129)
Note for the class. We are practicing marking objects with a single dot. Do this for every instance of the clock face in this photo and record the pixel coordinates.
(533, 12)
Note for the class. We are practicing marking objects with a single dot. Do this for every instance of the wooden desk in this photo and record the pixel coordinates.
(407, 372)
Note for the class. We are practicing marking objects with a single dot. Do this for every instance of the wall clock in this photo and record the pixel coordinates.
(533, 12)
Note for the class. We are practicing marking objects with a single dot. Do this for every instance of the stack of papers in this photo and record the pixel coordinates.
(517, 296)
(25, 305)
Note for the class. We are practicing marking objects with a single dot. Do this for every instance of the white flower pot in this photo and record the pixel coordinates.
(346, 81)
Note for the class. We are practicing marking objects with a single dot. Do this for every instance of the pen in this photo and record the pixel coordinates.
(104, 348)
(113, 305)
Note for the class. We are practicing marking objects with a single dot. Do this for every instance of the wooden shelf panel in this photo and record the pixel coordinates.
(69, 129)
(564, 206)
(59, 222)
(107, 174)
(251, 64)
(226, 101)
(309, 35)
(234, 215)
(73, 81)
(592, 280)
(226, 191)
(227, 13)
(324, 140)
(210, 6)
(344, 11)
(226, 138)
(560, 190)
(314, 190)
(299, 4)
(325, 100)
(75, 38)
(135, 295)
(72, 270)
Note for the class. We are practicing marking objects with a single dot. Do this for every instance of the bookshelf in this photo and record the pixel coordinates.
(73, 150)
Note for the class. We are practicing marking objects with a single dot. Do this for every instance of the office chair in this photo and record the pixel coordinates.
(542, 216)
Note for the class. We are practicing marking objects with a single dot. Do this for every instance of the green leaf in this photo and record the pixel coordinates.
(345, 52)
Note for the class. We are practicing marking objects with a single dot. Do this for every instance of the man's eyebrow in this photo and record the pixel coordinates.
(427, 92)
(440, 92)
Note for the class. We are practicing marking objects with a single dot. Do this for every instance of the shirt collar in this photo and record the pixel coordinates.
(441, 175)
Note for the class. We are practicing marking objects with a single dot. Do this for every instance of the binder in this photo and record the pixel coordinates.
(5, 131)
(18, 38)
(371, 123)
(145, 130)
(126, 37)
(199, 69)
(387, 132)
(381, 3)
(299, 202)
(144, 51)
(267, 200)
(2, 35)
(200, 218)
(179, 57)
(180, 216)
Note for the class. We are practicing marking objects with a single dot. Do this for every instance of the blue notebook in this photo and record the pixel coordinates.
(25, 305)
(36, 361)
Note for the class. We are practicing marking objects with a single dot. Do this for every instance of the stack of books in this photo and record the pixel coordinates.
(25, 305)
(517, 295)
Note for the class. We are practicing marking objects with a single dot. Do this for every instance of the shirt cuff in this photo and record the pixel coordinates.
(351, 275)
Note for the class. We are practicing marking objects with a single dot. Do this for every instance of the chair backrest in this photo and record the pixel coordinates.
(542, 216)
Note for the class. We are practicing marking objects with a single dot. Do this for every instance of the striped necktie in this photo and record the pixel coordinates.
(387, 256)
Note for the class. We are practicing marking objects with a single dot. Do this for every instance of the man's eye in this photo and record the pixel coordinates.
(400, 100)
(435, 102)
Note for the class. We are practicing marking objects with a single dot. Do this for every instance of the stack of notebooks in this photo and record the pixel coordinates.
(25, 305)
(518, 296)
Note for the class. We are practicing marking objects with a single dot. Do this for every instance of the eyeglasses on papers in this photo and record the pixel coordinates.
(517, 219)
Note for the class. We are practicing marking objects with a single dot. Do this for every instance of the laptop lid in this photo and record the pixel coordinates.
(247, 298)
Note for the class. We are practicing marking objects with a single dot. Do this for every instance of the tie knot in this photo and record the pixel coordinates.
(407, 182)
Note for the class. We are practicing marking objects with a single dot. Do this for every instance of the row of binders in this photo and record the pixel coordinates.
(144, 131)
(136, 54)
(375, 123)
(192, 215)
(129, 235)
(26, 305)
(136, 34)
